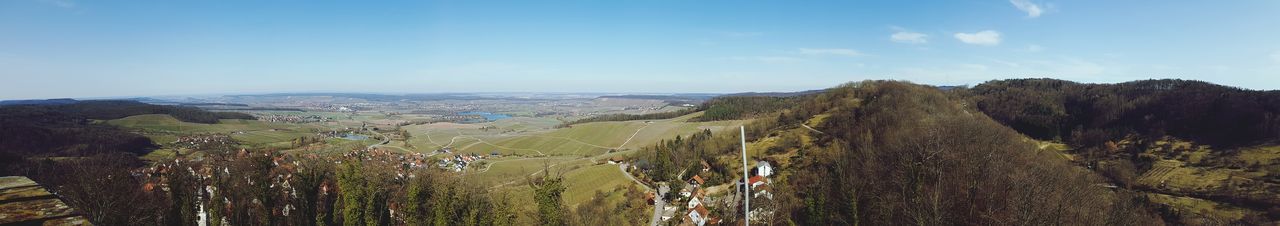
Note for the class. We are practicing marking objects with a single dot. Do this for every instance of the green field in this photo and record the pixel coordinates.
(575, 152)
(582, 183)
(163, 128)
(587, 139)
(513, 171)
(585, 182)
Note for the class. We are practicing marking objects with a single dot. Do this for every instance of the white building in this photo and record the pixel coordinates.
(698, 215)
(764, 169)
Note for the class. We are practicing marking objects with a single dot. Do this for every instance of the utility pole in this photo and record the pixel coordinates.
(746, 187)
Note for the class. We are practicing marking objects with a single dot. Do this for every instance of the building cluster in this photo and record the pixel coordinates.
(459, 118)
(402, 163)
(696, 211)
(459, 162)
(202, 141)
(761, 192)
(292, 118)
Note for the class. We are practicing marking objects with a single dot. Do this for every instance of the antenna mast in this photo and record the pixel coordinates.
(746, 186)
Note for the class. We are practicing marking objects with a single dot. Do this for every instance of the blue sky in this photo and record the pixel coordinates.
(71, 48)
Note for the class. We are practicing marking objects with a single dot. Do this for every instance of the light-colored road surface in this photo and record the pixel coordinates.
(658, 204)
(385, 140)
(811, 128)
(633, 135)
(623, 167)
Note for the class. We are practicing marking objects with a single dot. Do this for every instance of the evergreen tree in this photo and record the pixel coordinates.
(547, 194)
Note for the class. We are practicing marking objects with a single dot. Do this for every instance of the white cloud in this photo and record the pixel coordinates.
(986, 38)
(1276, 56)
(838, 52)
(909, 37)
(1029, 7)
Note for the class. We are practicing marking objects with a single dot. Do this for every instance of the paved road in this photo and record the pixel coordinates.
(658, 204)
(385, 140)
(623, 167)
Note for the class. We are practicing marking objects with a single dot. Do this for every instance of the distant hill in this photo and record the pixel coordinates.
(673, 99)
(38, 102)
(775, 94)
(1089, 114)
(372, 97)
(68, 130)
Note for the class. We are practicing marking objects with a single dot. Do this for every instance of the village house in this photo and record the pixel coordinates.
(696, 181)
(697, 216)
(616, 159)
(756, 181)
(697, 199)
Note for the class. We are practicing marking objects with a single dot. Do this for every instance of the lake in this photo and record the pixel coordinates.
(352, 136)
(488, 116)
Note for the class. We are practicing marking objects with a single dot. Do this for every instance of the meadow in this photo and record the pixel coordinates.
(162, 128)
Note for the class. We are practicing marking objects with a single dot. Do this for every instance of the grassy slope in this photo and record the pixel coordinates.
(567, 148)
(503, 171)
(585, 182)
(255, 132)
(583, 139)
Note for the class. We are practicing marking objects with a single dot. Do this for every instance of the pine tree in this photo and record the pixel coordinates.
(547, 193)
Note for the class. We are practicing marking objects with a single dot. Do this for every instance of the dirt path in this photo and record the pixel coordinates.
(811, 128)
(633, 135)
(530, 175)
(490, 163)
(433, 141)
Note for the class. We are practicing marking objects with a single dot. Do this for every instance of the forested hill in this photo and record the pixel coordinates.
(1090, 114)
(1206, 145)
(115, 109)
(66, 129)
(895, 153)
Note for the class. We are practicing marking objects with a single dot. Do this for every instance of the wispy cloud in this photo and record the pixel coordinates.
(985, 38)
(909, 37)
(1032, 9)
(902, 35)
(61, 3)
(1276, 56)
(837, 52)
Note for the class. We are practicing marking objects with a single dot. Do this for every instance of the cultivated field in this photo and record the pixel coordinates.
(587, 139)
(249, 132)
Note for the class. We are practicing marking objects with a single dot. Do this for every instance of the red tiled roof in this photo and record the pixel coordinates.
(702, 211)
(755, 179)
